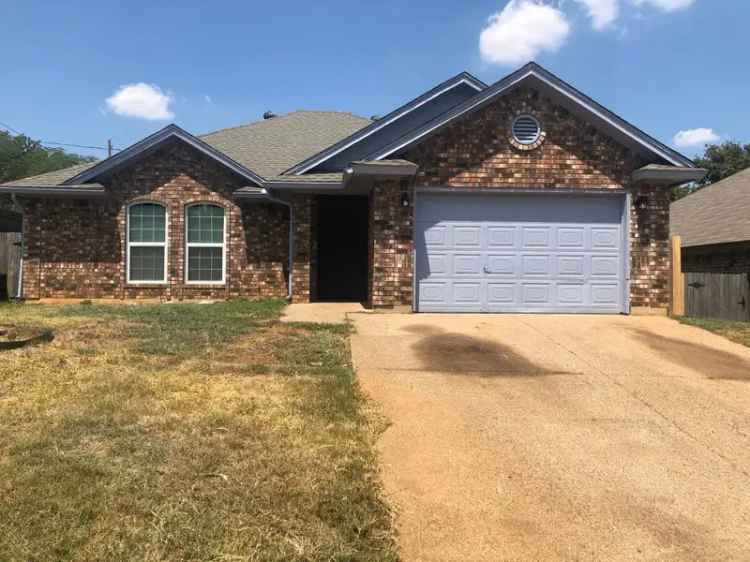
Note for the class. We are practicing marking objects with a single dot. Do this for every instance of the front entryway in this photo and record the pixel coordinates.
(342, 248)
(541, 252)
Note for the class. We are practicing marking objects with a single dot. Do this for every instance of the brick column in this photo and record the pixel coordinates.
(649, 247)
(391, 244)
(303, 247)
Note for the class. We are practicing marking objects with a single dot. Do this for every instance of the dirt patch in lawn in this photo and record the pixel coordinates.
(711, 362)
(459, 353)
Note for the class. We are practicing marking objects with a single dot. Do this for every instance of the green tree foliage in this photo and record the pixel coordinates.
(724, 160)
(721, 161)
(21, 157)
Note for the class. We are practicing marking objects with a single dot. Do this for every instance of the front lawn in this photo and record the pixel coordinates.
(738, 332)
(186, 432)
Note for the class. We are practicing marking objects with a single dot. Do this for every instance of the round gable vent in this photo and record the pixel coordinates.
(526, 129)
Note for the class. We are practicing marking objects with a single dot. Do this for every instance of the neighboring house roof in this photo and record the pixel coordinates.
(561, 90)
(716, 214)
(269, 147)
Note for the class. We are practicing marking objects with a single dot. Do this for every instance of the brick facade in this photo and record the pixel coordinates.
(78, 248)
(478, 152)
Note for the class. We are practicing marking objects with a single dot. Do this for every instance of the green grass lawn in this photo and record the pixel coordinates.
(738, 332)
(186, 432)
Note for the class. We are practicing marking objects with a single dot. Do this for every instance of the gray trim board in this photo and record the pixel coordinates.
(317, 159)
(87, 190)
(529, 71)
(152, 141)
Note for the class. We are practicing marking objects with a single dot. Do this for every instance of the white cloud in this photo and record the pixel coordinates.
(695, 137)
(603, 13)
(522, 30)
(665, 5)
(146, 101)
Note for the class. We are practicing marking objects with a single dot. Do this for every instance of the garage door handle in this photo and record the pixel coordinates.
(487, 269)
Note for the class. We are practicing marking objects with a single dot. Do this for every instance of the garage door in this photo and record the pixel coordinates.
(520, 253)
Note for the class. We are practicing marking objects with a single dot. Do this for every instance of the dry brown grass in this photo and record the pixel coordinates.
(186, 432)
(738, 332)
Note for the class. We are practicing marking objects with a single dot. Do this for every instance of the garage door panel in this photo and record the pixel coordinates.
(501, 237)
(536, 265)
(571, 265)
(467, 264)
(502, 264)
(571, 294)
(501, 293)
(467, 293)
(520, 253)
(535, 237)
(603, 238)
(605, 266)
(536, 294)
(571, 238)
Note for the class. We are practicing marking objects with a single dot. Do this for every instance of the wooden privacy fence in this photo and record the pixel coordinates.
(718, 295)
(10, 262)
(709, 295)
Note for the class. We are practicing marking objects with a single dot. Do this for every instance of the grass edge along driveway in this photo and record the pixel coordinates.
(186, 432)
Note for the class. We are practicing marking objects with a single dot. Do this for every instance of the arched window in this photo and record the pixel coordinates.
(147, 243)
(205, 247)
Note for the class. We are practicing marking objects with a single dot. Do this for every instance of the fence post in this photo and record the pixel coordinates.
(678, 278)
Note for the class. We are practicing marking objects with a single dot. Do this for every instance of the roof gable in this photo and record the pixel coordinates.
(149, 144)
(379, 133)
(560, 91)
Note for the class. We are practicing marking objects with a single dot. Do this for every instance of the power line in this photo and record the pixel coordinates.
(5, 125)
(44, 143)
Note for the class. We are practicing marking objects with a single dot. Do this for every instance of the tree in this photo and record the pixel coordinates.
(21, 157)
(721, 161)
(724, 160)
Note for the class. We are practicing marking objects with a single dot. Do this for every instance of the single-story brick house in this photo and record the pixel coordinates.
(521, 196)
(714, 226)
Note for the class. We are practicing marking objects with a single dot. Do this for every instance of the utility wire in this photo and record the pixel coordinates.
(45, 143)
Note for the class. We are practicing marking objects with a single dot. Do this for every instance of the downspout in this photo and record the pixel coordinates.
(288, 205)
(19, 208)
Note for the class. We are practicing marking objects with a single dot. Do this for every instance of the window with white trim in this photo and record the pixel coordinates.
(147, 243)
(205, 248)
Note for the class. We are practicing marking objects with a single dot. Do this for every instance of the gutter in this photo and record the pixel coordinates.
(62, 191)
(263, 195)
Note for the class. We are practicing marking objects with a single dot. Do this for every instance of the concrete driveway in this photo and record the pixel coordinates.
(561, 437)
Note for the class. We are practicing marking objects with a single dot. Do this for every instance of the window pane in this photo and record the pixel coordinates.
(147, 223)
(205, 224)
(146, 263)
(205, 264)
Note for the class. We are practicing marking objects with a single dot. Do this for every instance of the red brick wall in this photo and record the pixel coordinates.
(478, 152)
(77, 249)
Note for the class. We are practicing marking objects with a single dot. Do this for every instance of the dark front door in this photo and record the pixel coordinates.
(342, 247)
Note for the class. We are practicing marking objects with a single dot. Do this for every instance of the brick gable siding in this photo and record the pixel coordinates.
(78, 248)
(478, 152)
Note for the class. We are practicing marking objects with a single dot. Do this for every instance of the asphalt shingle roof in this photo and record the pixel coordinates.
(51, 179)
(266, 147)
(271, 146)
(716, 214)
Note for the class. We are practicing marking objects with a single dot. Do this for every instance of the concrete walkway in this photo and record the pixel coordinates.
(321, 312)
(560, 437)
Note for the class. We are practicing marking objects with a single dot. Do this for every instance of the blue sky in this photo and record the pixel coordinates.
(665, 65)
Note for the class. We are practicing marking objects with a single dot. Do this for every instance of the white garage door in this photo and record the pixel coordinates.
(521, 253)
